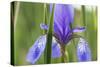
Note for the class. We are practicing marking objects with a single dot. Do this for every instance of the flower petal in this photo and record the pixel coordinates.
(63, 12)
(63, 16)
(55, 49)
(79, 29)
(36, 50)
(83, 51)
(44, 26)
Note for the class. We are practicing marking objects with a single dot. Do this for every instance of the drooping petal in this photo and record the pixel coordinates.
(83, 51)
(79, 29)
(44, 26)
(36, 50)
(56, 52)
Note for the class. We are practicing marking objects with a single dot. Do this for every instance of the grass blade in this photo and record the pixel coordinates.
(49, 39)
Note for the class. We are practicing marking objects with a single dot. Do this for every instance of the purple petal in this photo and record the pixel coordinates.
(63, 12)
(79, 29)
(44, 26)
(36, 50)
(83, 51)
(55, 49)
(63, 16)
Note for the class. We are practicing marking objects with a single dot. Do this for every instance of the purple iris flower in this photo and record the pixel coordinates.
(63, 17)
(83, 51)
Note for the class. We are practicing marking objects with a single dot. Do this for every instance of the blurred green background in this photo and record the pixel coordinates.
(27, 19)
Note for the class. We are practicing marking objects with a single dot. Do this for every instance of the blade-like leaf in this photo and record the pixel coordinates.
(49, 38)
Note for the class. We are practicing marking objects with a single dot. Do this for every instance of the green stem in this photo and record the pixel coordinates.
(16, 14)
(44, 31)
(84, 17)
(74, 47)
(94, 17)
(65, 57)
(48, 49)
(45, 16)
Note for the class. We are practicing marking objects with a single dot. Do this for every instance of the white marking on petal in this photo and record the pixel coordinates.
(82, 45)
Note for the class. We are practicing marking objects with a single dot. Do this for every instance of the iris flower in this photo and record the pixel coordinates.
(83, 51)
(63, 17)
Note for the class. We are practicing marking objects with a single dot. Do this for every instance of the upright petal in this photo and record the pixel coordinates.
(36, 50)
(83, 51)
(63, 12)
(63, 16)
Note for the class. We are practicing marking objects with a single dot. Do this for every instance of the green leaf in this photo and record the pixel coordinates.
(45, 16)
(84, 17)
(49, 39)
